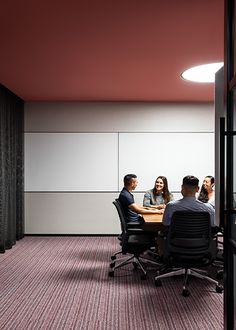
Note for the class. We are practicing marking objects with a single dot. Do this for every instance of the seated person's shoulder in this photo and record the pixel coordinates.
(172, 202)
(210, 207)
(147, 198)
(148, 193)
(207, 205)
(171, 197)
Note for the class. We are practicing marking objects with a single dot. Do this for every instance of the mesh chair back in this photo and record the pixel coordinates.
(189, 235)
(134, 240)
(123, 221)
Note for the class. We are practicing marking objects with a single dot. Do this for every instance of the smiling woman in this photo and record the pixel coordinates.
(207, 193)
(159, 195)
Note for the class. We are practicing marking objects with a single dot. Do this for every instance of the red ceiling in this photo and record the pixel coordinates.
(96, 50)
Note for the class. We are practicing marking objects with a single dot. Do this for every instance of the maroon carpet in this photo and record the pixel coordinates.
(63, 283)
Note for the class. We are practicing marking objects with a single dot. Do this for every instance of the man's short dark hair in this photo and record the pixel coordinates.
(128, 178)
(191, 181)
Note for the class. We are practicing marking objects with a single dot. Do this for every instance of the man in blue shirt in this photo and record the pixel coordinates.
(132, 210)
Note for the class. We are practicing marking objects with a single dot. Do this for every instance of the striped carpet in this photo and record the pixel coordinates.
(62, 283)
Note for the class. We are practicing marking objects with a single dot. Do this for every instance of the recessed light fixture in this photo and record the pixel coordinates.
(202, 73)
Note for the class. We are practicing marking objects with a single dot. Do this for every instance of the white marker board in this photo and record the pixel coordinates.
(98, 161)
(173, 155)
(71, 161)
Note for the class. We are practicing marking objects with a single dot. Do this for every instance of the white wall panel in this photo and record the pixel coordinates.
(71, 213)
(71, 161)
(173, 155)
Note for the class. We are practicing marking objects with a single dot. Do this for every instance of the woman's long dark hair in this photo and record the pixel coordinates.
(203, 196)
(166, 193)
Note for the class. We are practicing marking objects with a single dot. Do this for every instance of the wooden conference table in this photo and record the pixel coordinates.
(152, 218)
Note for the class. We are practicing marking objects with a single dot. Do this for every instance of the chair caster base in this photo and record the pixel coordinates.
(135, 265)
(158, 283)
(219, 288)
(219, 275)
(112, 264)
(143, 277)
(113, 257)
(111, 273)
(185, 293)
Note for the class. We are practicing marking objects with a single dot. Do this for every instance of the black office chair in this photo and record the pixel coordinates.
(189, 244)
(218, 263)
(134, 242)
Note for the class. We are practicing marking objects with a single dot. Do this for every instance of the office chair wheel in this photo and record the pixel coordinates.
(185, 293)
(111, 273)
(112, 264)
(219, 274)
(219, 288)
(158, 282)
(135, 265)
(143, 277)
(113, 257)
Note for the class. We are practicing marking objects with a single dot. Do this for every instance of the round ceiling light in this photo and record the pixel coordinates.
(202, 73)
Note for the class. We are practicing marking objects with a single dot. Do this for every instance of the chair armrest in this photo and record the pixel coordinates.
(164, 233)
(133, 224)
(135, 231)
(217, 231)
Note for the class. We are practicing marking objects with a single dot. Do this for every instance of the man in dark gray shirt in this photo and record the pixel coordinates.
(189, 188)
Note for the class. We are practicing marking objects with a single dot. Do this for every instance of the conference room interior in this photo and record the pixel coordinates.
(64, 156)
